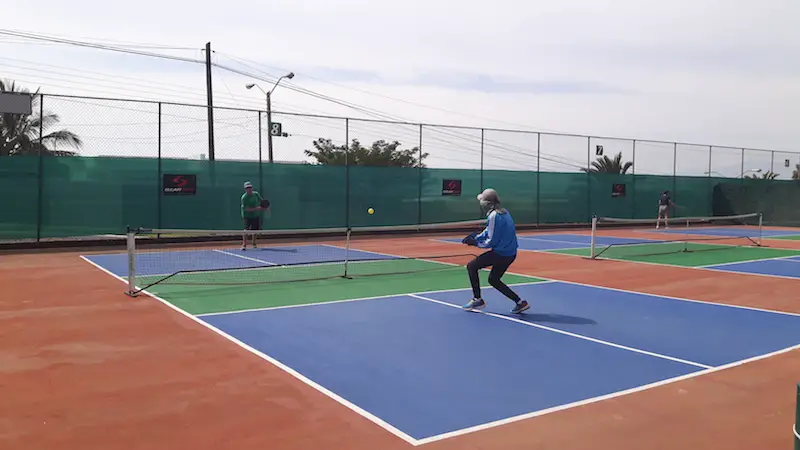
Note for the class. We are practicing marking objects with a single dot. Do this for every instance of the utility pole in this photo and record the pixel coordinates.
(210, 97)
(269, 126)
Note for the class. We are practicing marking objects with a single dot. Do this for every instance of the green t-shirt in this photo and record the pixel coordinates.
(251, 201)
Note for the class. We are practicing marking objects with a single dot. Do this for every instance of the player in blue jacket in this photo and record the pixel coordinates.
(500, 235)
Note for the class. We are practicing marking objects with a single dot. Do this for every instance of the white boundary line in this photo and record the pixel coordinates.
(681, 230)
(658, 296)
(567, 333)
(556, 251)
(600, 398)
(796, 434)
(708, 268)
(597, 286)
(780, 236)
(358, 410)
(376, 297)
(746, 261)
(225, 252)
(418, 442)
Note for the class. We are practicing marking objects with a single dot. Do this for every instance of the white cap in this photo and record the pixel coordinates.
(489, 195)
(247, 184)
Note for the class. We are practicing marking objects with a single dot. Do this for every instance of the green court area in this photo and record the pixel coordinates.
(687, 254)
(267, 287)
(793, 237)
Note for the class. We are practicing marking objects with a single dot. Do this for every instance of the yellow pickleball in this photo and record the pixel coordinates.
(371, 211)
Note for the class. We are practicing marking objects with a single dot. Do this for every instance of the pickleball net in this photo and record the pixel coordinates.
(216, 258)
(679, 235)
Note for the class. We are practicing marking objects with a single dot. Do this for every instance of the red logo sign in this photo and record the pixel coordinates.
(451, 187)
(179, 184)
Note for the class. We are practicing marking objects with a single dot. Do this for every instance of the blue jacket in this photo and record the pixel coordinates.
(500, 234)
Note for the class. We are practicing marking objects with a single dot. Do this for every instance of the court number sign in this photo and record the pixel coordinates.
(179, 184)
(276, 129)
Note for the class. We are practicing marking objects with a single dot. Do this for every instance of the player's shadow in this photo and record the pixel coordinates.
(555, 318)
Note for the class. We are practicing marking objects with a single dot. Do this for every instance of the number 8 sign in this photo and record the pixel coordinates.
(276, 129)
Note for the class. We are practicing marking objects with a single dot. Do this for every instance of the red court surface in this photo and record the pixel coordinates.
(83, 366)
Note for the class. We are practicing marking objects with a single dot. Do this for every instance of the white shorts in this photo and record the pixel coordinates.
(662, 209)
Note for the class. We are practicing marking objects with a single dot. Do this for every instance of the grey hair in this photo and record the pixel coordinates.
(490, 200)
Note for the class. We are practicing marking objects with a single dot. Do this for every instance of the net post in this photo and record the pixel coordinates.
(760, 227)
(131, 246)
(796, 426)
(594, 231)
(686, 236)
(347, 253)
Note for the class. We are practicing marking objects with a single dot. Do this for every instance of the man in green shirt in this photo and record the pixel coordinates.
(251, 212)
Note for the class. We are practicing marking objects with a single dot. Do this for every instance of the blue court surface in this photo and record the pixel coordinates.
(427, 368)
(167, 262)
(782, 267)
(556, 241)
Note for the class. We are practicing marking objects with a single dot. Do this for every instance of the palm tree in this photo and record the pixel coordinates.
(20, 134)
(768, 175)
(605, 164)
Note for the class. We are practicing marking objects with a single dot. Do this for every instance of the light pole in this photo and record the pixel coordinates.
(289, 75)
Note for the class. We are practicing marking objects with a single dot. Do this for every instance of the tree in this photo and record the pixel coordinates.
(381, 153)
(768, 175)
(796, 172)
(604, 164)
(20, 134)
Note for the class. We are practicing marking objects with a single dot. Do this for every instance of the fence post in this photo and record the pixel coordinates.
(419, 187)
(674, 170)
(709, 191)
(40, 179)
(347, 172)
(588, 177)
(159, 219)
(481, 173)
(633, 182)
(538, 177)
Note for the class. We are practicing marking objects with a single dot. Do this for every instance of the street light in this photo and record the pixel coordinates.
(289, 75)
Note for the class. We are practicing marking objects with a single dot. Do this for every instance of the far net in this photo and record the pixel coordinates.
(650, 237)
(218, 258)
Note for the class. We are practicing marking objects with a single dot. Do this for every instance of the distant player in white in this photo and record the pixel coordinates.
(664, 202)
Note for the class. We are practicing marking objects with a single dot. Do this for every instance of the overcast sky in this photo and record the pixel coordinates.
(707, 72)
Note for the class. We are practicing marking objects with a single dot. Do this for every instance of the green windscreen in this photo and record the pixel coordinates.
(83, 196)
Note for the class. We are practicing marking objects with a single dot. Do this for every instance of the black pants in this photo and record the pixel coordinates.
(252, 223)
(499, 266)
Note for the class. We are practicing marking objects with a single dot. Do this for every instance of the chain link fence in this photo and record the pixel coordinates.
(94, 166)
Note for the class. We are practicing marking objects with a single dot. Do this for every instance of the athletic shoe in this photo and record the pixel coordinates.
(475, 303)
(521, 306)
